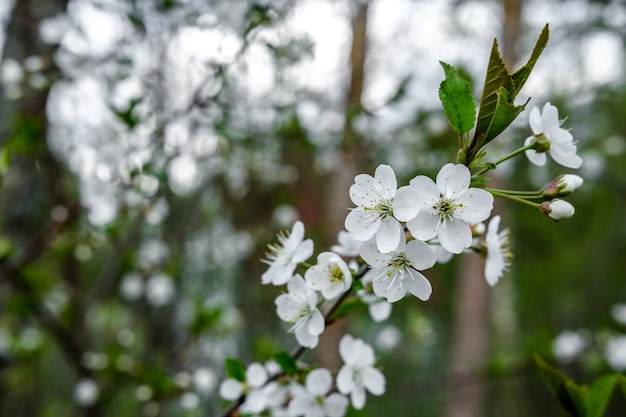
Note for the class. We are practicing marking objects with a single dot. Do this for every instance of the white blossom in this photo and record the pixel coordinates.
(86, 392)
(260, 394)
(312, 400)
(447, 208)
(160, 290)
(379, 309)
(568, 345)
(285, 255)
(331, 275)
(615, 353)
(348, 246)
(299, 308)
(358, 374)
(373, 215)
(560, 143)
(498, 252)
(397, 272)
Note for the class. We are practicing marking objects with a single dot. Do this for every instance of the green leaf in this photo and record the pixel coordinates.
(497, 77)
(236, 369)
(286, 362)
(503, 115)
(599, 394)
(456, 97)
(557, 384)
(521, 75)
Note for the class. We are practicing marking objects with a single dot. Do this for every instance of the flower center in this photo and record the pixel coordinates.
(398, 263)
(383, 209)
(446, 208)
(336, 274)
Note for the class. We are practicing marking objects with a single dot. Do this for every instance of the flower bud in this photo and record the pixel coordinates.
(569, 182)
(562, 185)
(557, 209)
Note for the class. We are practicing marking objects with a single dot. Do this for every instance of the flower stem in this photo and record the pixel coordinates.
(504, 158)
(519, 199)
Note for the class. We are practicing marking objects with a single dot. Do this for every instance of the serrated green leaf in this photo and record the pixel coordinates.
(599, 394)
(503, 115)
(235, 369)
(497, 77)
(286, 362)
(456, 97)
(521, 75)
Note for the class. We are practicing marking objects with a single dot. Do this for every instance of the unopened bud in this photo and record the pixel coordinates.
(569, 182)
(557, 209)
(562, 185)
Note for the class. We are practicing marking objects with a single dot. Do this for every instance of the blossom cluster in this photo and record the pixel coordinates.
(268, 390)
(392, 235)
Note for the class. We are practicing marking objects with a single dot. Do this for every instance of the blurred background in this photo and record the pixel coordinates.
(150, 149)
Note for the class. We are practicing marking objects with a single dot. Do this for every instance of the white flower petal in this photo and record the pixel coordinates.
(389, 235)
(386, 178)
(358, 397)
(419, 286)
(406, 203)
(362, 192)
(370, 254)
(389, 288)
(420, 254)
(453, 180)
(362, 224)
(566, 158)
(335, 405)
(424, 226)
(305, 338)
(256, 375)
(455, 236)
(534, 119)
(477, 206)
(316, 323)
(319, 381)
(231, 389)
(374, 380)
(303, 252)
(287, 308)
(379, 310)
(345, 382)
(300, 405)
(426, 190)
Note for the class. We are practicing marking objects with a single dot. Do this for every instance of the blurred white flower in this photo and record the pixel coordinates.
(379, 309)
(298, 307)
(358, 373)
(160, 290)
(498, 252)
(313, 400)
(568, 345)
(615, 353)
(131, 286)
(347, 245)
(618, 312)
(260, 394)
(86, 392)
(204, 380)
(285, 255)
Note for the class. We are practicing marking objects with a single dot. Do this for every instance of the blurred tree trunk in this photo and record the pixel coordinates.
(344, 171)
(36, 181)
(471, 333)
